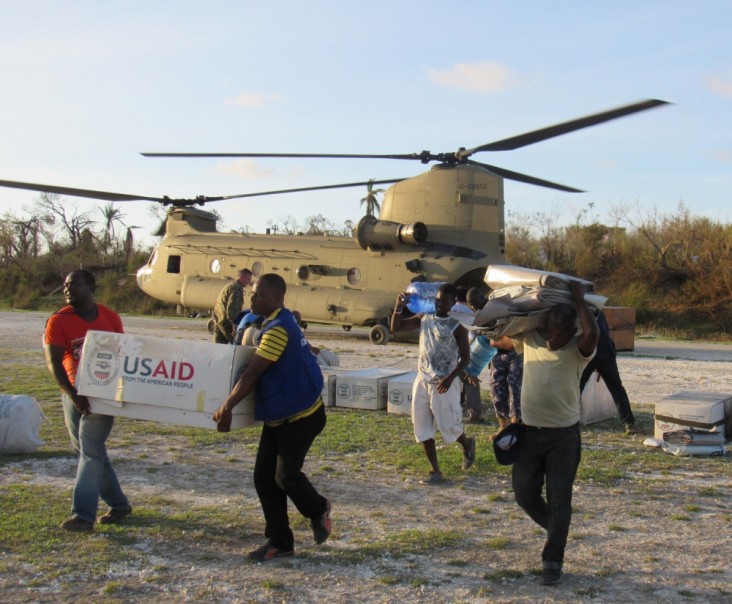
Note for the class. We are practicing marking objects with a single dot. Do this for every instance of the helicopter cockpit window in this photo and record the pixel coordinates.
(257, 268)
(153, 257)
(174, 264)
(215, 266)
(353, 276)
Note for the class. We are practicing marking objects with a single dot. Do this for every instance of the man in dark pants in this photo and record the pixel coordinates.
(288, 387)
(554, 358)
(606, 365)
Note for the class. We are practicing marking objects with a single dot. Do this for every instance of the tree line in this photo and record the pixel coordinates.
(675, 269)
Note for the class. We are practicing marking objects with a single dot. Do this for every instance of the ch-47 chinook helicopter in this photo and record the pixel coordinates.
(446, 224)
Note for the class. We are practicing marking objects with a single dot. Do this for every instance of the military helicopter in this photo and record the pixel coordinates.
(446, 224)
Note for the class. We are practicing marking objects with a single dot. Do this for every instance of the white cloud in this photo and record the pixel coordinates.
(254, 99)
(244, 168)
(483, 76)
(722, 155)
(721, 85)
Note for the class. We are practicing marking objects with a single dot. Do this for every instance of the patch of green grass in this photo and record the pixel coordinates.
(112, 587)
(503, 574)
(708, 492)
(616, 528)
(606, 572)
(272, 584)
(480, 511)
(498, 543)
(458, 563)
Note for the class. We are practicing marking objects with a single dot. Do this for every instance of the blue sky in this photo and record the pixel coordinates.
(88, 85)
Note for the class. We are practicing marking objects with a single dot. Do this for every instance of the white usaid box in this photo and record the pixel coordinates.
(162, 379)
(703, 411)
(399, 394)
(364, 388)
(330, 378)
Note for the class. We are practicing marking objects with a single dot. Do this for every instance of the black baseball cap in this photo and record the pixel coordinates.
(507, 444)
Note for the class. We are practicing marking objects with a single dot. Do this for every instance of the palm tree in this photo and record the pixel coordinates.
(372, 199)
(111, 215)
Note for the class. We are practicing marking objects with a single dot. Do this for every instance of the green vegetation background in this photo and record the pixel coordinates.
(675, 270)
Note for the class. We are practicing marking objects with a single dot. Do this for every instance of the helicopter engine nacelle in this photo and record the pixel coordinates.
(375, 234)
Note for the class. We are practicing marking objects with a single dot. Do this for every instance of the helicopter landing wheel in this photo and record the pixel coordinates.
(379, 335)
(346, 327)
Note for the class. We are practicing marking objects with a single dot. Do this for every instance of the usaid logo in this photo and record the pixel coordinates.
(344, 391)
(396, 397)
(102, 366)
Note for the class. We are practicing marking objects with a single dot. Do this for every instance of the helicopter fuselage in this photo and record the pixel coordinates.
(444, 225)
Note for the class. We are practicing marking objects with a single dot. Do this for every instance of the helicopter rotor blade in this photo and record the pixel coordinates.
(318, 188)
(286, 155)
(531, 180)
(535, 136)
(200, 200)
(74, 192)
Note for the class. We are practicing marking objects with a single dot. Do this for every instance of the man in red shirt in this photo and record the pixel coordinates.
(64, 339)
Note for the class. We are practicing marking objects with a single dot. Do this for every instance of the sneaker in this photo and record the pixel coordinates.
(551, 576)
(433, 478)
(469, 455)
(268, 552)
(322, 525)
(630, 429)
(115, 515)
(551, 573)
(77, 525)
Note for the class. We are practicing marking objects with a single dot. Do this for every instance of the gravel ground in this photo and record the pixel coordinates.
(655, 537)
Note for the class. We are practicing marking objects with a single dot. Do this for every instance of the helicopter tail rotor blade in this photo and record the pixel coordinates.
(531, 180)
(535, 136)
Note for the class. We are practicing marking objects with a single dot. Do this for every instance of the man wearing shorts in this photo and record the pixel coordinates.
(444, 353)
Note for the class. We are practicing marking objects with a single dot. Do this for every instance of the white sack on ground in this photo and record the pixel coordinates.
(693, 437)
(596, 403)
(20, 421)
(688, 450)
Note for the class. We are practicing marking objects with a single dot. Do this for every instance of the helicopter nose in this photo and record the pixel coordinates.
(141, 276)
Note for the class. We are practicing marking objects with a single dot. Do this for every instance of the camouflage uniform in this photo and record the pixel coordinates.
(506, 369)
(228, 306)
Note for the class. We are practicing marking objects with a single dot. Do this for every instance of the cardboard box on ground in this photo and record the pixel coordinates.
(162, 379)
(708, 412)
(400, 394)
(364, 388)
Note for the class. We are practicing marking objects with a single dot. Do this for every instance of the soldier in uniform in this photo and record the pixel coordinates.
(228, 306)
